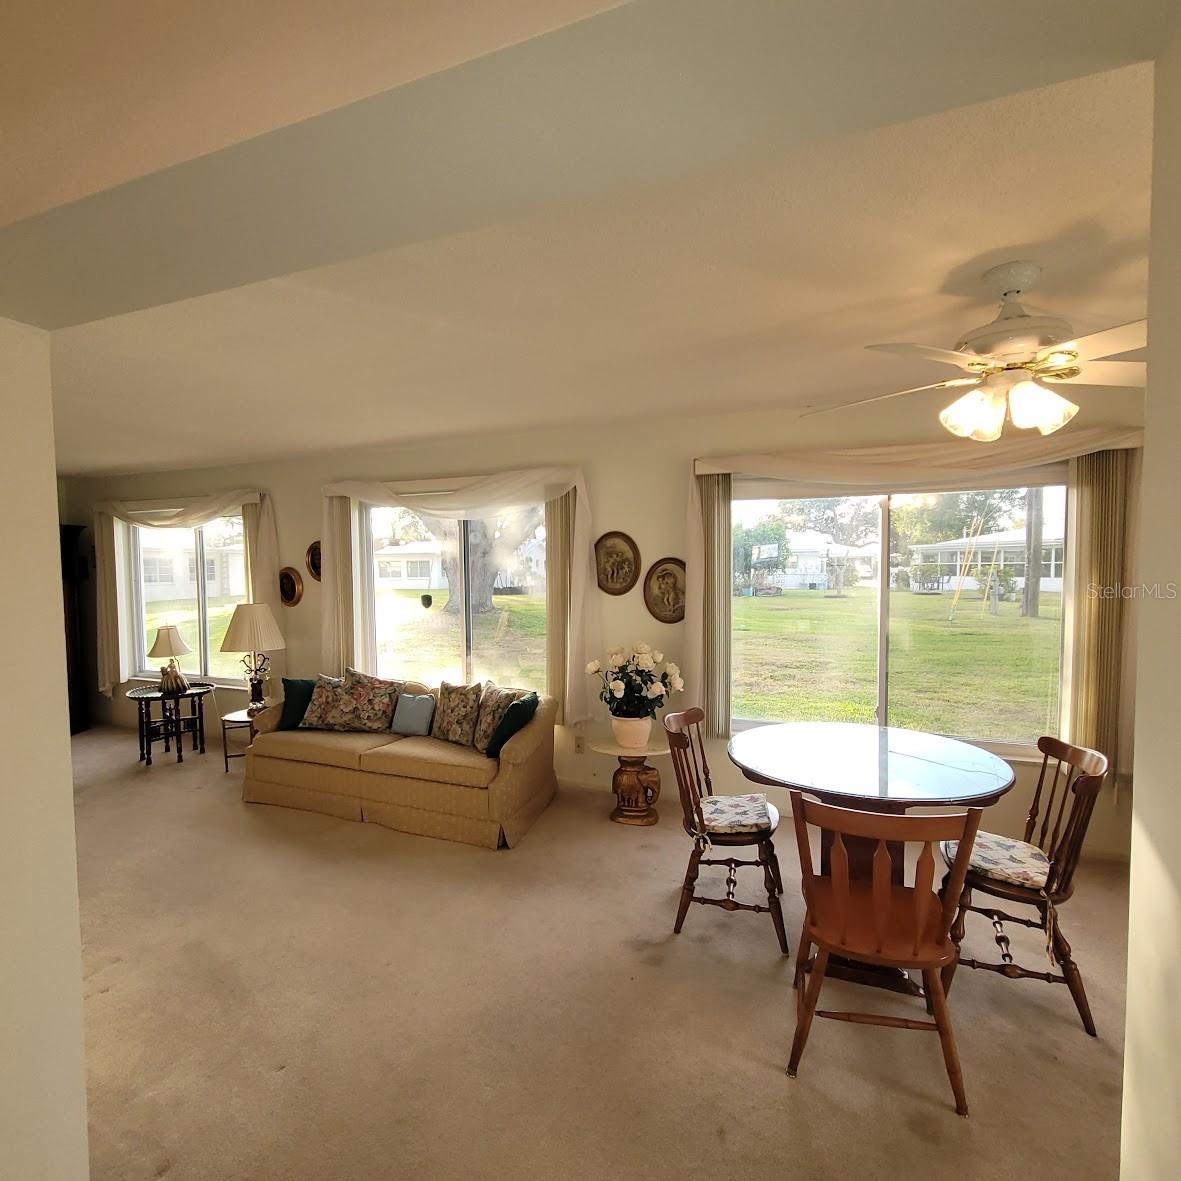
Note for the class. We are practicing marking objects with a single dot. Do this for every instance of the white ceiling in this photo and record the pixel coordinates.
(754, 285)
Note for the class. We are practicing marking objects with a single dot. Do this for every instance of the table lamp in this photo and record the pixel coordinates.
(253, 630)
(170, 643)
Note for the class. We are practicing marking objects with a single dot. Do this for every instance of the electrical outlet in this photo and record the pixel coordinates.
(580, 744)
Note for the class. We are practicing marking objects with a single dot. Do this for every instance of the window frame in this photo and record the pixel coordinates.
(1008, 749)
(142, 669)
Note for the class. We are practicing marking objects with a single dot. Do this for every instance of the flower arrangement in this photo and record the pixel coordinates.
(636, 681)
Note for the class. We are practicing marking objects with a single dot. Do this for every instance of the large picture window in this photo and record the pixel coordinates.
(459, 601)
(164, 568)
(955, 626)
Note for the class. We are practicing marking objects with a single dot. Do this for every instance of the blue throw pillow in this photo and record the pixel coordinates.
(297, 693)
(516, 717)
(413, 714)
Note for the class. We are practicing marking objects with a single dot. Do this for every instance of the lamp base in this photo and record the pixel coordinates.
(257, 702)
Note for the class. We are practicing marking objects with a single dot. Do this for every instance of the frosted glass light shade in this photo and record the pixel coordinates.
(169, 642)
(1033, 407)
(979, 415)
(252, 629)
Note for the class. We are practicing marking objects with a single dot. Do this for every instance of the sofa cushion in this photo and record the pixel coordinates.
(431, 759)
(373, 699)
(493, 702)
(455, 717)
(518, 715)
(328, 747)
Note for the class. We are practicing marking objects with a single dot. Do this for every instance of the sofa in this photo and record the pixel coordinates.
(414, 784)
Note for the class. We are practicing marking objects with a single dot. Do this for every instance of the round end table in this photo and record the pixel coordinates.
(635, 783)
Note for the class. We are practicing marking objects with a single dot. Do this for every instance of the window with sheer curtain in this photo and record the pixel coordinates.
(166, 590)
(455, 600)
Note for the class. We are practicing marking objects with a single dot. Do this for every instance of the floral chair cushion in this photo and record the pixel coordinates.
(735, 813)
(494, 702)
(455, 717)
(1005, 859)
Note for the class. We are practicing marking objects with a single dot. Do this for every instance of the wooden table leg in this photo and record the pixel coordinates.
(201, 720)
(148, 731)
(638, 787)
(139, 717)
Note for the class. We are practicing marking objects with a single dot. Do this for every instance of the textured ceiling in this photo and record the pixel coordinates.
(754, 285)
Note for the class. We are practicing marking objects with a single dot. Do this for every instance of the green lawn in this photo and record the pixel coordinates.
(799, 656)
(183, 613)
(805, 656)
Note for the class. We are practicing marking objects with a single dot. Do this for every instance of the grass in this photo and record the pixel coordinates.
(804, 656)
(801, 656)
(183, 613)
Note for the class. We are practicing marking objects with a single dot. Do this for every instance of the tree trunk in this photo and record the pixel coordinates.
(1031, 595)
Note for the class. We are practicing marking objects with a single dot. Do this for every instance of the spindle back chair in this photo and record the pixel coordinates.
(725, 821)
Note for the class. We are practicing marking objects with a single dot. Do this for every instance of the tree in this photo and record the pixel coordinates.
(490, 546)
(1032, 593)
(769, 531)
(848, 520)
(948, 515)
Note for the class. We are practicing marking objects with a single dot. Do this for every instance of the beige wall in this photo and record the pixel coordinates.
(637, 475)
(1152, 1064)
(42, 1074)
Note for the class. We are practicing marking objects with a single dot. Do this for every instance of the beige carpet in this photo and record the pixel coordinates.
(282, 996)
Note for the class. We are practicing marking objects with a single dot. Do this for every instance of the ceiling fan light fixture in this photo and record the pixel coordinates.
(979, 415)
(1060, 358)
(1033, 407)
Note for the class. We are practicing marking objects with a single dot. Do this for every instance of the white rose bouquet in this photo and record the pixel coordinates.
(636, 681)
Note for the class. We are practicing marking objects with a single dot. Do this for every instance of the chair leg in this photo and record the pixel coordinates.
(767, 857)
(951, 1059)
(803, 950)
(775, 867)
(691, 873)
(1074, 980)
(807, 1009)
(956, 935)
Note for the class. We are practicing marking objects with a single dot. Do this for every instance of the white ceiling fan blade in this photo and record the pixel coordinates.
(939, 385)
(930, 353)
(1127, 373)
(1110, 342)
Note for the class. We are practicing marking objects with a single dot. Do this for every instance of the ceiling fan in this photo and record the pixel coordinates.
(1011, 364)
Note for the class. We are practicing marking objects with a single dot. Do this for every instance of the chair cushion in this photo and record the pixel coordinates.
(434, 760)
(330, 748)
(1005, 859)
(735, 813)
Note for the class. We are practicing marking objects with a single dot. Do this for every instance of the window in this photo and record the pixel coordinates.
(201, 611)
(455, 600)
(940, 630)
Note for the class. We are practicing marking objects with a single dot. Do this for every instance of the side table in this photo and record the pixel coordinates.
(239, 719)
(635, 782)
(172, 725)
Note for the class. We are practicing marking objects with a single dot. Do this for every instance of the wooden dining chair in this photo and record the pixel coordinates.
(724, 822)
(1037, 871)
(878, 920)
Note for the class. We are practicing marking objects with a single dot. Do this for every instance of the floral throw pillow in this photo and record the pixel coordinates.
(494, 701)
(372, 699)
(324, 708)
(455, 718)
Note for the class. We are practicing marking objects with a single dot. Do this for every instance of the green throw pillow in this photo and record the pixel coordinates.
(518, 715)
(296, 696)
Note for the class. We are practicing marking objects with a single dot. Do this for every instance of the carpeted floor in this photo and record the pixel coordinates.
(278, 996)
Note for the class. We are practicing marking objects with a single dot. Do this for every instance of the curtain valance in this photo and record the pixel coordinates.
(918, 467)
(464, 498)
(179, 514)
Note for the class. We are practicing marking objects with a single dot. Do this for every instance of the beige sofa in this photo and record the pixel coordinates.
(420, 785)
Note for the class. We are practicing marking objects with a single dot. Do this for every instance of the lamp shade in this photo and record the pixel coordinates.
(252, 629)
(169, 642)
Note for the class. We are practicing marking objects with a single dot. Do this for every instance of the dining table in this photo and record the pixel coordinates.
(872, 769)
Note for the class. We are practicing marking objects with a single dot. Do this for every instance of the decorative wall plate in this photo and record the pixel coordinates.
(617, 563)
(664, 590)
(312, 560)
(290, 586)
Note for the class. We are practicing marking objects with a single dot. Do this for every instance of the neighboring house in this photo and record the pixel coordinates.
(810, 556)
(1006, 548)
(418, 565)
(171, 572)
